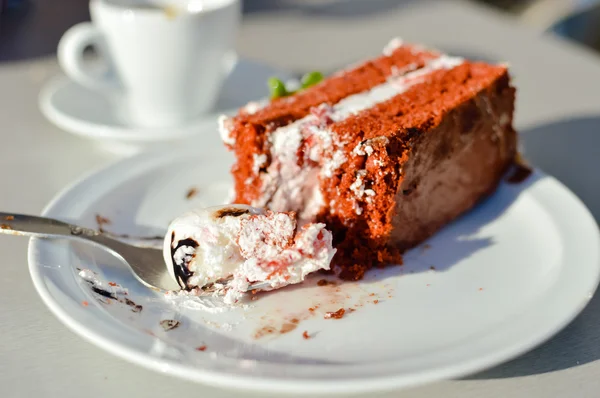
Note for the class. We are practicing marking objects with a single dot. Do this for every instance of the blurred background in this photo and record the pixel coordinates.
(32, 28)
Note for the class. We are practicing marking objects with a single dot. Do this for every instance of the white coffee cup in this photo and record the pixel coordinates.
(166, 59)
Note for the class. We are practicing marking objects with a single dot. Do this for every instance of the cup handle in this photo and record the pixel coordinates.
(70, 57)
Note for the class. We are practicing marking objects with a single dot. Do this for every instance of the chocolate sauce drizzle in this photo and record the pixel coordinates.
(103, 293)
(134, 307)
(231, 212)
(181, 271)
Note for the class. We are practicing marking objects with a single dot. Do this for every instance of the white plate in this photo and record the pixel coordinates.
(508, 275)
(102, 118)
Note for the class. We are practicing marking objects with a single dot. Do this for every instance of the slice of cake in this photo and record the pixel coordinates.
(384, 153)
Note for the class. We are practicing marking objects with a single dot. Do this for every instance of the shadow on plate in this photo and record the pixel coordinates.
(568, 150)
(460, 239)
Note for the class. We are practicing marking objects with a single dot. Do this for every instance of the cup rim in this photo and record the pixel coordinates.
(158, 9)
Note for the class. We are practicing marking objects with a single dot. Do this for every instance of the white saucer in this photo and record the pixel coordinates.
(495, 283)
(97, 116)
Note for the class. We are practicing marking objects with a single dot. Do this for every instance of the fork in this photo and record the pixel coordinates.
(147, 264)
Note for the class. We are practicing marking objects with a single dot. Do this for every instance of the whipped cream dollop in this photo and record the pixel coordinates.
(235, 246)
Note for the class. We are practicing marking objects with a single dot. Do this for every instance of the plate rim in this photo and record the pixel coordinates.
(287, 385)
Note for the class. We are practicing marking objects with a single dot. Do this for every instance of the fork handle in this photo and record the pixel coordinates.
(43, 227)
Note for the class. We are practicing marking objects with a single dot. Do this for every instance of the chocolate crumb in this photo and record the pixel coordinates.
(305, 335)
(201, 348)
(9, 218)
(104, 293)
(169, 324)
(432, 268)
(5, 226)
(102, 221)
(134, 306)
(191, 193)
(519, 174)
(335, 315)
(325, 282)
(520, 170)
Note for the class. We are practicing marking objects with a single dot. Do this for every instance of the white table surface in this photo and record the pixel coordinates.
(558, 114)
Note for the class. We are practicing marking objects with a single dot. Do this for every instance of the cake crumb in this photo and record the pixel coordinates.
(335, 315)
(305, 335)
(264, 331)
(428, 285)
(375, 301)
(85, 303)
(480, 289)
(169, 324)
(287, 327)
(5, 226)
(193, 191)
(201, 348)
(9, 218)
(325, 282)
(102, 221)
(432, 268)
